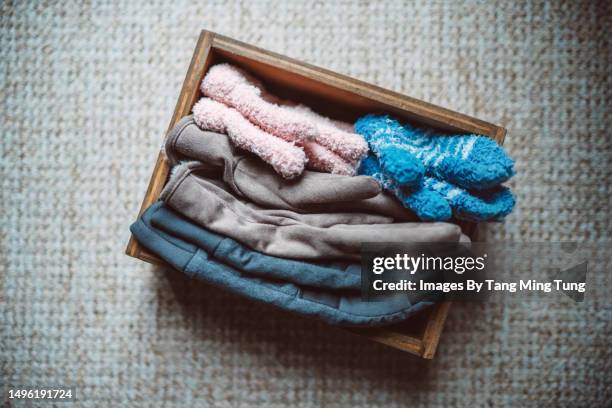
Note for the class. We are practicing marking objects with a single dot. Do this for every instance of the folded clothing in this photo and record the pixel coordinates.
(192, 192)
(473, 162)
(278, 127)
(330, 275)
(286, 159)
(210, 263)
(251, 178)
(438, 200)
(438, 176)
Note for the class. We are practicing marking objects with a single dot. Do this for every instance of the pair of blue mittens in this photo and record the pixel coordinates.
(438, 176)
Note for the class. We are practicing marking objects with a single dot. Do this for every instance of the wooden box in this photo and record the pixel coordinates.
(337, 96)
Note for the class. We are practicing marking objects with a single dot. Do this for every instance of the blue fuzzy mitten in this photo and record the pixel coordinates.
(437, 200)
(406, 154)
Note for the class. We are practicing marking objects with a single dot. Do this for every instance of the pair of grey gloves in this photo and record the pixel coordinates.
(320, 219)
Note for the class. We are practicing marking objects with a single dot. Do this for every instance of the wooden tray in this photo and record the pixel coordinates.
(337, 96)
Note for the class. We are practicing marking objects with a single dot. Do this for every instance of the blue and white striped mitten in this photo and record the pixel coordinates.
(438, 200)
(437, 176)
(469, 161)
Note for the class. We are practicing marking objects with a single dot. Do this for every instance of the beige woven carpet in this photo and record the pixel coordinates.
(87, 92)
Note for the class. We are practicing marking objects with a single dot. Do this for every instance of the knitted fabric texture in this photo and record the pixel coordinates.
(287, 159)
(438, 176)
(469, 161)
(438, 200)
(328, 145)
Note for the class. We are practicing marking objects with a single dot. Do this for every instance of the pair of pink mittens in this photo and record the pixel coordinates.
(288, 137)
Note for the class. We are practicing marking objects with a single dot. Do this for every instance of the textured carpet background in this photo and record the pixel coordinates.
(87, 92)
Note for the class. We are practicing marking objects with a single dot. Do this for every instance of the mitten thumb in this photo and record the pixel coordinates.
(400, 165)
(428, 204)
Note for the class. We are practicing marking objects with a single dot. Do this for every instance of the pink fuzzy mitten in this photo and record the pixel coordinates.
(328, 145)
(287, 159)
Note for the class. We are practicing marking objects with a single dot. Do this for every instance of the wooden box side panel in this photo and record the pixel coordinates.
(326, 90)
(360, 96)
(189, 95)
